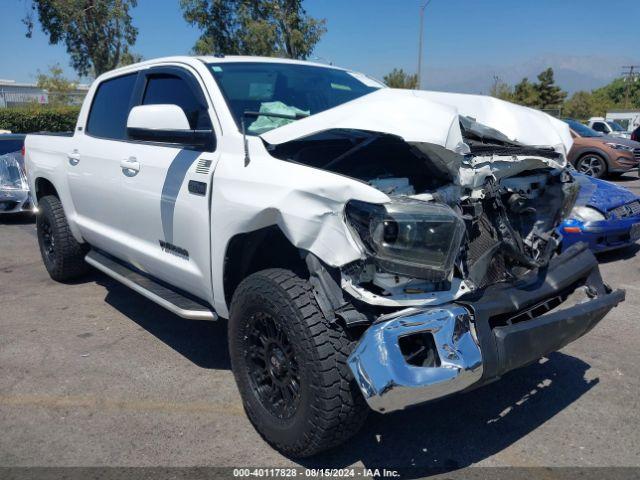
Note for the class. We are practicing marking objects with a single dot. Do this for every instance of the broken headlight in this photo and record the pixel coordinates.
(409, 237)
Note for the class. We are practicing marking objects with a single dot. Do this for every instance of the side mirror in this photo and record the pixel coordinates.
(165, 123)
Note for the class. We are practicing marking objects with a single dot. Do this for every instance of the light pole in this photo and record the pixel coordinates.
(422, 8)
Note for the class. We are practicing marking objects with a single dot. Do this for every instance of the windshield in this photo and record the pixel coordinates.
(285, 90)
(582, 130)
(615, 127)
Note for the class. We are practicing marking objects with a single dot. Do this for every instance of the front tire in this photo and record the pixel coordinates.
(62, 255)
(592, 165)
(290, 365)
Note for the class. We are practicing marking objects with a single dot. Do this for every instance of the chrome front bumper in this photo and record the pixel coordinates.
(386, 379)
(512, 324)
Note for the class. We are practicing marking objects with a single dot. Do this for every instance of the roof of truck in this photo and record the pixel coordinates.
(247, 58)
(212, 59)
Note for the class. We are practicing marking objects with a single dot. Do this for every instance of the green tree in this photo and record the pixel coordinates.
(278, 28)
(501, 90)
(59, 87)
(616, 93)
(397, 78)
(96, 33)
(127, 58)
(580, 106)
(601, 103)
(549, 94)
(525, 93)
(596, 103)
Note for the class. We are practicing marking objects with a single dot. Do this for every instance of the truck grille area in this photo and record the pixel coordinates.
(540, 308)
(627, 210)
(484, 238)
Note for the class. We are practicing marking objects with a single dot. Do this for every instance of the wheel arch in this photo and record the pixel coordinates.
(43, 187)
(247, 253)
(591, 151)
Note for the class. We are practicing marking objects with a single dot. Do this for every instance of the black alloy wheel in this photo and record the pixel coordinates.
(290, 365)
(46, 236)
(62, 255)
(273, 367)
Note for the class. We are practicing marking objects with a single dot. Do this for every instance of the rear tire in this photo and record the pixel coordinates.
(592, 164)
(62, 255)
(290, 365)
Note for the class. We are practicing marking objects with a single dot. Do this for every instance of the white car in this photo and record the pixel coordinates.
(608, 127)
(14, 190)
(371, 248)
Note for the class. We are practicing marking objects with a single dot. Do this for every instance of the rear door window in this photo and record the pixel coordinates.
(173, 90)
(110, 108)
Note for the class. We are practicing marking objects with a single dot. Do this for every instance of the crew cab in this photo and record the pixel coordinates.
(371, 248)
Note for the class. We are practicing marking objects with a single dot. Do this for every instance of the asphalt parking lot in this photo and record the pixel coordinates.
(92, 374)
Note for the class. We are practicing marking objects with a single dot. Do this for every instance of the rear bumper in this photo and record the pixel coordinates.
(476, 340)
(15, 201)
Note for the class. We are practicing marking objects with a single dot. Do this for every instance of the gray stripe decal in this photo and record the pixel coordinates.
(176, 174)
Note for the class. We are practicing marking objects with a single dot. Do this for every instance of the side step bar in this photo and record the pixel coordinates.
(165, 297)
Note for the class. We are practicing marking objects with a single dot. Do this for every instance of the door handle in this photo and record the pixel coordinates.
(130, 166)
(74, 158)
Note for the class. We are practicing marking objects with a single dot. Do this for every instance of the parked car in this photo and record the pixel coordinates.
(598, 155)
(628, 119)
(14, 190)
(368, 246)
(606, 216)
(608, 127)
(635, 135)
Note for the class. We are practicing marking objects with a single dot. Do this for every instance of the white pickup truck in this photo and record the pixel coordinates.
(371, 248)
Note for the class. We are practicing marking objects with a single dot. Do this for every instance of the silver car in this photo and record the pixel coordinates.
(14, 190)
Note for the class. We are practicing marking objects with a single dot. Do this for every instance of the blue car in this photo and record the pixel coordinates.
(606, 216)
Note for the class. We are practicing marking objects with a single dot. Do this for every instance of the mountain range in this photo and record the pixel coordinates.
(572, 73)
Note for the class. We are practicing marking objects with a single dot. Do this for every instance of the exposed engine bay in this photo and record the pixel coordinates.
(456, 222)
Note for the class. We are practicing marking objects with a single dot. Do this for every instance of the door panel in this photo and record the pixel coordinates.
(93, 166)
(169, 226)
(94, 183)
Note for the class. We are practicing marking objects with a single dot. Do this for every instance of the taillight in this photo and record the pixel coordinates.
(23, 151)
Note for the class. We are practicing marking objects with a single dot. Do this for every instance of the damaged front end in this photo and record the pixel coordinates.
(482, 252)
(475, 267)
(420, 354)
(460, 278)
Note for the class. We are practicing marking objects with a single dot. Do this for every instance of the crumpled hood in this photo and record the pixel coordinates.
(600, 194)
(429, 117)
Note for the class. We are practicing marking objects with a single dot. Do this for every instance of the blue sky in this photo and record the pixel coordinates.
(466, 42)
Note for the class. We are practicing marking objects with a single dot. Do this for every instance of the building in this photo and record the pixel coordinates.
(14, 94)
